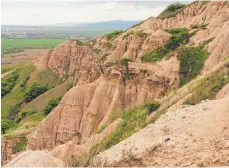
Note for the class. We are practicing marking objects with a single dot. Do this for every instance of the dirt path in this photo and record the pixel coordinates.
(6, 73)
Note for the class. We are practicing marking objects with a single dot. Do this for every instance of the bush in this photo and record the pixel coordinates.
(177, 39)
(34, 91)
(125, 62)
(97, 51)
(138, 33)
(6, 124)
(175, 7)
(23, 82)
(179, 36)
(8, 83)
(176, 30)
(171, 11)
(14, 110)
(156, 55)
(113, 35)
(24, 114)
(151, 106)
(199, 26)
(191, 62)
(108, 44)
(51, 105)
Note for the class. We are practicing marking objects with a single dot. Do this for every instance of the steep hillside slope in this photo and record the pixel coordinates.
(129, 70)
(191, 136)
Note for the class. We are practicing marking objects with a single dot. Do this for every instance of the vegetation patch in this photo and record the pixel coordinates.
(8, 67)
(156, 55)
(108, 44)
(23, 82)
(21, 145)
(125, 62)
(179, 37)
(151, 106)
(45, 77)
(18, 45)
(209, 87)
(6, 124)
(133, 120)
(171, 11)
(191, 63)
(111, 36)
(17, 94)
(199, 26)
(8, 83)
(138, 33)
(51, 105)
(34, 90)
(207, 41)
(24, 114)
(97, 51)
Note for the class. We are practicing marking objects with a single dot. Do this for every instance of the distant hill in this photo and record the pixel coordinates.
(113, 24)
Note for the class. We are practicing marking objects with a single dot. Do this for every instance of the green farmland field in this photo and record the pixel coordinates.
(17, 45)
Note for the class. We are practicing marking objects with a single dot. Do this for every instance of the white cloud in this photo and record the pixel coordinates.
(36, 12)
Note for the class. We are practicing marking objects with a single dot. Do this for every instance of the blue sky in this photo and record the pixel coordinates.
(35, 12)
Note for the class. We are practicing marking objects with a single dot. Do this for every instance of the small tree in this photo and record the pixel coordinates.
(125, 62)
(34, 90)
(5, 125)
(51, 105)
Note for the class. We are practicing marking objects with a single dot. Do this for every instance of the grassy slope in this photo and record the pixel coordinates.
(31, 43)
(8, 67)
(41, 102)
(17, 93)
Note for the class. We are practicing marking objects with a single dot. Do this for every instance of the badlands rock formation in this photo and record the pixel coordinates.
(100, 88)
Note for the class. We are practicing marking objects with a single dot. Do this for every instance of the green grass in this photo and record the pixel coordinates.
(138, 33)
(111, 36)
(133, 120)
(17, 45)
(17, 94)
(191, 63)
(46, 77)
(11, 103)
(171, 11)
(8, 67)
(179, 37)
(8, 83)
(38, 105)
(97, 51)
(156, 55)
(199, 26)
(209, 87)
(21, 145)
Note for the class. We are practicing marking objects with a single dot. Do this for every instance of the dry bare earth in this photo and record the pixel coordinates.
(199, 136)
(28, 55)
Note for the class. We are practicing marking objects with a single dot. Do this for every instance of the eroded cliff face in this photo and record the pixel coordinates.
(7, 149)
(99, 84)
(85, 107)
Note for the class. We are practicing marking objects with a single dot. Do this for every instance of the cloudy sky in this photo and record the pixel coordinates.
(38, 12)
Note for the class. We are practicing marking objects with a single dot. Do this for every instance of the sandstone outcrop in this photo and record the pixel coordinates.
(7, 149)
